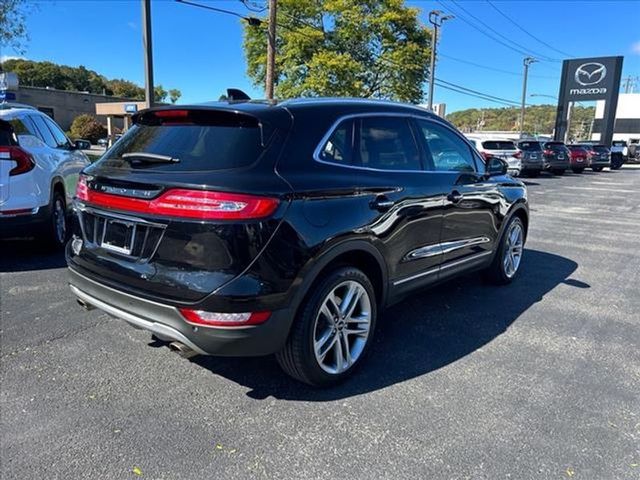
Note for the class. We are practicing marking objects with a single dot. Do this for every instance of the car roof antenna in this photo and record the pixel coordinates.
(235, 94)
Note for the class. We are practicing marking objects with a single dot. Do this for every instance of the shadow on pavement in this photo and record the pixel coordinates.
(426, 332)
(25, 254)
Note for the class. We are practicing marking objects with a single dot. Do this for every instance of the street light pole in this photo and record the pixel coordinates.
(271, 49)
(436, 20)
(148, 53)
(527, 61)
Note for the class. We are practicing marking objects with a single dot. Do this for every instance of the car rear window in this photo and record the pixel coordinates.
(498, 145)
(600, 148)
(576, 148)
(219, 142)
(530, 146)
(619, 143)
(558, 146)
(6, 134)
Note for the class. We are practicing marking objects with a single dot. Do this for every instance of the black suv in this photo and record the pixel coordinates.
(256, 228)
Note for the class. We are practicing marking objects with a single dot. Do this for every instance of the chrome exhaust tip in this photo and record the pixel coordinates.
(182, 350)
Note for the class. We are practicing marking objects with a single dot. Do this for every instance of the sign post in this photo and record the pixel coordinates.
(585, 80)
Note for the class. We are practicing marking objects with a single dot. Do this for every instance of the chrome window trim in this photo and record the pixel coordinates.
(352, 116)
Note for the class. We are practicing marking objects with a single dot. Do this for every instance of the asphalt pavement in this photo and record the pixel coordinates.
(539, 379)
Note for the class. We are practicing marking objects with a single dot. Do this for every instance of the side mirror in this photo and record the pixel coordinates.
(496, 166)
(82, 145)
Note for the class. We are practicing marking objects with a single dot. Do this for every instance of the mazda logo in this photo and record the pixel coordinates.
(590, 73)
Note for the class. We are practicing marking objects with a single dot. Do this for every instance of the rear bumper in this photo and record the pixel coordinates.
(556, 164)
(167, 322)
(24, 224)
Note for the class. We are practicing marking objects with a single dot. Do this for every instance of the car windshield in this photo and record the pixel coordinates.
(530, 146)
(498, 145)
(600, 149)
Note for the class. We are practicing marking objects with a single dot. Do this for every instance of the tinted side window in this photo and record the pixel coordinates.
(338, 148)
(61, 138)
(447, 150)
(387, 143)
(45, 134)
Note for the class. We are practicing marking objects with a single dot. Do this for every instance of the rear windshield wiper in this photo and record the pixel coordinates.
(149, 157)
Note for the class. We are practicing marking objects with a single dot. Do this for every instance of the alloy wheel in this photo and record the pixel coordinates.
(59, 221)
(342, 327)
(513, 249)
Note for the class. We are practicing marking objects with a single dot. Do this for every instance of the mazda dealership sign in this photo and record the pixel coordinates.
(589, 79)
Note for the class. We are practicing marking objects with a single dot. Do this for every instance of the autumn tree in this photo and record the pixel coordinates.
(356, 48)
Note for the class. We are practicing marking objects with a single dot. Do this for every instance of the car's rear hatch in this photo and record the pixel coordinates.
(183, 203)
(531, 151)
(504, 149)
(556, 151)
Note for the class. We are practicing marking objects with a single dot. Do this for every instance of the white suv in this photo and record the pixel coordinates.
(501, 148)
(39, 169)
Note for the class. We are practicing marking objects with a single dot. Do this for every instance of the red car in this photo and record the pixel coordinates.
(578, 158)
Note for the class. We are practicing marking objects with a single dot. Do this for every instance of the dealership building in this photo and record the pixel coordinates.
(627, 123)
(65, 105)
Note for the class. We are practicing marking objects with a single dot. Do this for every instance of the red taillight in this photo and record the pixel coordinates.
(218, 319)
(196, 204)
(24, 160)
(548, 152)
(82, 191)
(518, 154)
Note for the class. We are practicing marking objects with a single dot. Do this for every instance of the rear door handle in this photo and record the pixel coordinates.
(454, 197)
(382, 204)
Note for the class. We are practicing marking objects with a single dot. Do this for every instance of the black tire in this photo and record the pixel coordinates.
(496, 272)
(558, 171)
(577, 170)
(597, 169)
(297, 358)
(56, 230)
(534, 173)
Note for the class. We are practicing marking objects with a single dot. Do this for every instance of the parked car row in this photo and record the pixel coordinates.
(531, 157)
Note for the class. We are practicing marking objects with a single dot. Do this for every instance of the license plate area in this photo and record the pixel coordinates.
(118, 236)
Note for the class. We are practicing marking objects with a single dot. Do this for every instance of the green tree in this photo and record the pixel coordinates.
(126, 89)
(87, 127)
(13, 28)
(359, 48)
(159, 94)
(174, 95)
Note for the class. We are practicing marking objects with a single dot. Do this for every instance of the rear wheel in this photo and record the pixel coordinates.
(506, 262)
(333, 330)
(55, 230)
(533, 173)
(577, 170)
(558, 171)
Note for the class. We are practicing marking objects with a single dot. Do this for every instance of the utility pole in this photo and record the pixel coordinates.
(527, 61)
(436, 20)
(630, 83)
(148, 53)
(271, 48)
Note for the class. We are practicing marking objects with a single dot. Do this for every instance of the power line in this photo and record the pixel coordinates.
(510, 45)
(526, 31)
(250, 20)
(474, 95)
(486, 67)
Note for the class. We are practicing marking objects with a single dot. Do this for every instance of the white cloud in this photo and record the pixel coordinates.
(4, 58)
(635, 48)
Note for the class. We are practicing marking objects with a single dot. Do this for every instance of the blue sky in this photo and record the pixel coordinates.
(200, 52)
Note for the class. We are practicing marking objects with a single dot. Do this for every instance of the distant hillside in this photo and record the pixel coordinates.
(538, 119)
(81, 79)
